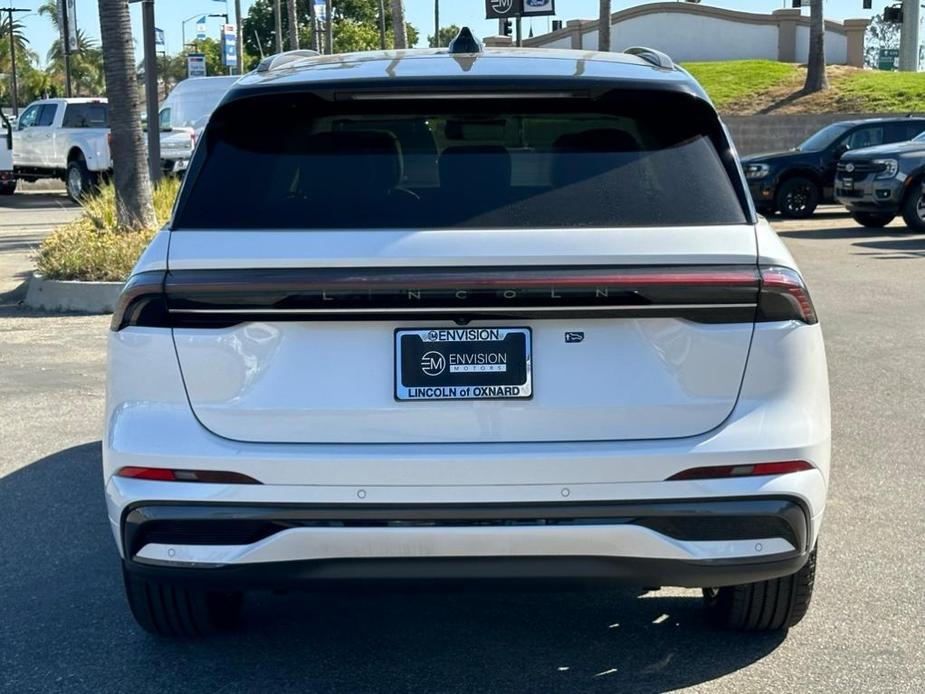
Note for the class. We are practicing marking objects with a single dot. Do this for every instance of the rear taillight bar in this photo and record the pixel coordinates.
(158, 474)
(784, 296)
(746, 470)
(699, 293)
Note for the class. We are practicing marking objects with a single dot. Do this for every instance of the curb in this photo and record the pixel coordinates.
(70, 295)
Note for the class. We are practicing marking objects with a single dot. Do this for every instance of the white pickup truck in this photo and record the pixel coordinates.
(66, 139)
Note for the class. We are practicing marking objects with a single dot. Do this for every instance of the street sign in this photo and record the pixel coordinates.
(537, 8)
(201, 28)
(195, 65)
(321, 10)
(68, 8)
(229, 45)
(504, 9)
(159, 39)
(888, 59)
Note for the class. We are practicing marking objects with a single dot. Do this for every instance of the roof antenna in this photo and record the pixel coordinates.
(465, 42)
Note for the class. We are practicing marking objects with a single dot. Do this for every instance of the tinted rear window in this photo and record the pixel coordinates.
(414, 165)
(86, 116)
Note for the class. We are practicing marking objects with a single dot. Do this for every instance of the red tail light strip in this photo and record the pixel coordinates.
(747, 470)
(699, 293)
(169, 475)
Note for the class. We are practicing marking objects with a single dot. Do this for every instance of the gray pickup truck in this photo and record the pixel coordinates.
(878, 183)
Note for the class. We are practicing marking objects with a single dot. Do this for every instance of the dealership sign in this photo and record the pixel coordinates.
(503, 9)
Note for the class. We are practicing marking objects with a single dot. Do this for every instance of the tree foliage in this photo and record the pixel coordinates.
(446, 34)
(879, 35)
(356, 27)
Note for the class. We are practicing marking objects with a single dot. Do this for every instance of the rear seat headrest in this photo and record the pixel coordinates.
(459, 170)
(382, 170)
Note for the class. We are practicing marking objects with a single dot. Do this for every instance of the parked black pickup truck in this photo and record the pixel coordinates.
(795, 182)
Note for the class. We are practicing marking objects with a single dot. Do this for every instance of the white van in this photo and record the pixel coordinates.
(184, 114)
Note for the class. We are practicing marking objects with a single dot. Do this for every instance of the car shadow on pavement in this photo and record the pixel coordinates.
(65, 625)
(844, 232)
(894, 248)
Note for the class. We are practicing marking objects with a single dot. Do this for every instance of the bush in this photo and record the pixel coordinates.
(92, 248)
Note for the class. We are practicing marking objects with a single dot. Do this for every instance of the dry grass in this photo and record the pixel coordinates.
(92, 248)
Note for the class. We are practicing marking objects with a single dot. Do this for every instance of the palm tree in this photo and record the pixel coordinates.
(134, 209)
(293, 25)
(603, 26)
(398, 24)
(816, 80)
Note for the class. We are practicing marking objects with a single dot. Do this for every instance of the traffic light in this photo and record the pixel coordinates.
(893, 15)
(506, 27)
(868, 4)
(796, 4)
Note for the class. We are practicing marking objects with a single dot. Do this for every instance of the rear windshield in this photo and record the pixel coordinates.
(490, 164)
(86, 116)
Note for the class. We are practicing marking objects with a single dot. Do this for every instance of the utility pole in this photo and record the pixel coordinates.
(436, 23)
(519, 34)
(239, 39)
(909, 37)
(278, 18)
(9, 18)
(66, 48)
(150, 54)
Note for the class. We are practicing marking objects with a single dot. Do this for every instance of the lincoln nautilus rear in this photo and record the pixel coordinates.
(495, 313)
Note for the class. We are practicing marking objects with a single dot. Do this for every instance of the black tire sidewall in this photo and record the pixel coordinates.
(910, 215)
(789, 185)
(85, 181)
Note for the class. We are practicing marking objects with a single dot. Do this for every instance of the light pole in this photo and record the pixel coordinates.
(9, 16)
(150, 55)
(909, 37)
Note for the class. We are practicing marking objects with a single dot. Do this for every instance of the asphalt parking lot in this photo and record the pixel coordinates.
(64, 625)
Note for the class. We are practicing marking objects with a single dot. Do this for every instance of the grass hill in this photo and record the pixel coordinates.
(746, 87)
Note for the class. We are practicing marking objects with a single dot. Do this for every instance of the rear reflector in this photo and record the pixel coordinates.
(167, 475)
(754, 470)
(783, 297)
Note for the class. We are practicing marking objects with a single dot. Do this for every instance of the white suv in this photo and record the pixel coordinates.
(494, 313)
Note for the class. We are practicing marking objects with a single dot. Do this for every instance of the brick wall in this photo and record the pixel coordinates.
(772, 133)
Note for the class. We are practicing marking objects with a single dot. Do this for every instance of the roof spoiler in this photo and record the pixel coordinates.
(651, 56)
(275, 62)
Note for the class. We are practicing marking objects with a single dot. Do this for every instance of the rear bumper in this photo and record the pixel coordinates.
(692, 543)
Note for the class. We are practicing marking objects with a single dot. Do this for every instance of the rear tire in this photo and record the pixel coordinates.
(78, 179)
(8, 188)
(872, 219)
(173, 609)
(797, 198)
(914, 209)
(772, 605)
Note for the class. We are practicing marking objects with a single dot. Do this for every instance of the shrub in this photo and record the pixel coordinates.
(92, 248)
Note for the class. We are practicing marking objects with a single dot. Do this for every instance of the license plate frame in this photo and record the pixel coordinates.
(463, 363)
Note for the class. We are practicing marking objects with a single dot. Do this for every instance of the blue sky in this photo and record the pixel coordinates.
(170, 13)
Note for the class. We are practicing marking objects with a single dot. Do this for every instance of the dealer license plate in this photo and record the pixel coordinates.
(463, 364)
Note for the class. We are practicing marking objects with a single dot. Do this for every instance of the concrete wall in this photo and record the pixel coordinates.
(694, 32)
(773, 133)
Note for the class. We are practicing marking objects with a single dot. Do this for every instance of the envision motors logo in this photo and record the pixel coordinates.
(502, 6)
(433, 363)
